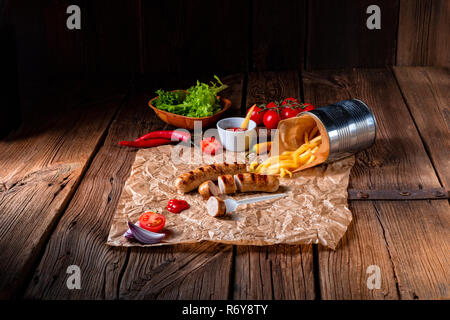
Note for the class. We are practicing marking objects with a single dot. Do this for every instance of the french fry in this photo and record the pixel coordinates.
(287, 153)
(316, 139)
(289, 161)
(253, 166)
(313, 133)
(284, 172)
(311, 159)
(300, 150)
(303, 158)
(283, 164)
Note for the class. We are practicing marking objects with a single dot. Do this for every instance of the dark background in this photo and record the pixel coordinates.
(129, 39)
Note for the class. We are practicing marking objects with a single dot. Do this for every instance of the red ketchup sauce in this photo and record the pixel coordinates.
(236, 129)
(176, 206)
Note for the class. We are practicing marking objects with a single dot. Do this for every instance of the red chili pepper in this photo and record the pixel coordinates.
(145, 143)
(173, 135)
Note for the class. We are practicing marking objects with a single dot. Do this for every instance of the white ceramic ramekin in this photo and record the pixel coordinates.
(237, 141)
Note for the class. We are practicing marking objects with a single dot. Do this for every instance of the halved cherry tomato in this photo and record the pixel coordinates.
(257, 115)
(152, 221)
(271, 119)
(210, 146)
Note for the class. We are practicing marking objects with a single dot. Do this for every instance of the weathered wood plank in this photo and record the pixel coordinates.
(278, 35)
(338, 36)
(418, 239)
(380, 229)
(281, 271)
(426, 91)
(195, 36)
(41, 167)
(200, 271)
(107, 42)
(80, 236)
(343, 272)
(423, 33)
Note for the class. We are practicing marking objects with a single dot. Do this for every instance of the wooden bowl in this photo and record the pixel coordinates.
(180, 121)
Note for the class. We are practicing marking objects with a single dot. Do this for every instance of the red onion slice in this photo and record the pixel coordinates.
(142, 235)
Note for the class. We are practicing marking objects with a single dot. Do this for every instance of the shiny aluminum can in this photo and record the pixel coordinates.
(350, 126)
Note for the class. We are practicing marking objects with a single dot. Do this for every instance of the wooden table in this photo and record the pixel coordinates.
(62, 173)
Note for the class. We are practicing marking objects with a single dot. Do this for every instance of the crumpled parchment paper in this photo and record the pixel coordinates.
(315, 210)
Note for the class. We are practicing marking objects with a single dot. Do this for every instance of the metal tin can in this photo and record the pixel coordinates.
(350, 126)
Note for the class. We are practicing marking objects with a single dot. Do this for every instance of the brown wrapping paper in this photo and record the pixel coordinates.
(314, 211)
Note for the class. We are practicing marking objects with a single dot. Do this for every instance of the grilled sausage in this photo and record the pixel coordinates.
(192, 179)
(208, 189)
(249, 182)
(216, 207)
(227, 184)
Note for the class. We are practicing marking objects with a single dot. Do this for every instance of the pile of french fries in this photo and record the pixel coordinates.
(288, 161)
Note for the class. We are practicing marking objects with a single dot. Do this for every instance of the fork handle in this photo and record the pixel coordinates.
(263, 198)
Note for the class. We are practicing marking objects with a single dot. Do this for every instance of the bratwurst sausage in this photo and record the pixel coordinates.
(208, 189)
(216, 207)
(227, 184)
(192, 179)
(250, 182)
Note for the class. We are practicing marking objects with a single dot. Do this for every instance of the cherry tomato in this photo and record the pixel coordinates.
(257, 116)
(289, 112)
(152, 221)
(307, 107)
(271, 105)
(290, 101)
(210, 146)
(271, 119)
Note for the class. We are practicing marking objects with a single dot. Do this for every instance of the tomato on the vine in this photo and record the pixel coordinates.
(271, 105)
(257, 115)
(290, 101)
(271, 119)
(307, 107)
(289, 112)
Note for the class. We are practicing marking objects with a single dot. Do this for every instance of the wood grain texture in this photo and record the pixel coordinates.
(427, 88)
(41, 168)
(339, 38)
(278, 35)
(343, 271)
(398, 159)
(423, 33)
(81, 234)
(281, 271)
(107, 42)
(199, 271)
(418, 238)
(195, 36)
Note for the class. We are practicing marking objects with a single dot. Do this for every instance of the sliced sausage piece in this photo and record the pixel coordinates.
(226, 184)
(208, 189)
(192, 179)
(216, 207)
(250, 182)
